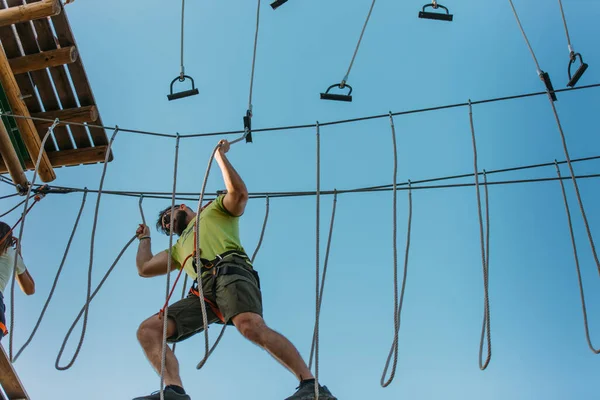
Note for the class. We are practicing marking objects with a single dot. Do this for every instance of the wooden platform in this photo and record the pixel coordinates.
(45, 63)
(10, 382)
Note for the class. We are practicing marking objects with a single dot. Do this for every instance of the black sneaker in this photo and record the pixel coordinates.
(170, 394)
(306, 391)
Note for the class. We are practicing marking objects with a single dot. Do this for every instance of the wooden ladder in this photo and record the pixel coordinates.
(9, 380)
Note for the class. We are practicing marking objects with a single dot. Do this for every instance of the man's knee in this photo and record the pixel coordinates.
(251, 326)
(152, 329)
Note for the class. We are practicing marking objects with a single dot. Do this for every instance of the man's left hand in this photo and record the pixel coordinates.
(223, 146)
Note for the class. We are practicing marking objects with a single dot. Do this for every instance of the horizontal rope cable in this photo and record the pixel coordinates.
(306, 126)
(262, 195)
(362, 190)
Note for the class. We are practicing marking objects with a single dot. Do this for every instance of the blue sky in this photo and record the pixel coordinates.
(131, 54)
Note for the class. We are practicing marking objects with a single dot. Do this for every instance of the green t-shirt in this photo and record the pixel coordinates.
(219, 232)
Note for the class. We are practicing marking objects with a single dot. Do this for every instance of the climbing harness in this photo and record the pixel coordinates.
(397, 302)
(55, 283)
(572, 55)
(485, 246)
(248, 117)
(435, 15)
(182, 76)
(544, 76)
(278, 3)
(91, 263)
(21, 228)
(577, 267)
(347, 97)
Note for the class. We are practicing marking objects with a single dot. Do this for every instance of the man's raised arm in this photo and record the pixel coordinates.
(237, 195)
(149, 265)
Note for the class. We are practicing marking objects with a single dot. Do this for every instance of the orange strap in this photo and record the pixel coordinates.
(212, 305)
(3, 329)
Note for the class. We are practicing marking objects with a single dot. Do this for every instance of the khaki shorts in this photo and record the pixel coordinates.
(235, 294)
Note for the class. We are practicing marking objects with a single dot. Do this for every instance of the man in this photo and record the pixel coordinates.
(230, 285)
(8, 253)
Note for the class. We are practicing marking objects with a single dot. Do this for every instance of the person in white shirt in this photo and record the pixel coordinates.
(7, 262)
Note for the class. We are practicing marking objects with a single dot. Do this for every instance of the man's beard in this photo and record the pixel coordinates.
(180, 222)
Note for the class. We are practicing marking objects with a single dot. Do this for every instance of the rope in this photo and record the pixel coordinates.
(84, 308)
(89, 280)
(55, 283)
(395, 258)
(254, 57)
(394, 348)
(182, 70)
(486, 314)
(141, 209)
(581, 293)
(207, 351)
(312, 348)
(199, 262)
(358, 44)
(539, 70)
(13, 209)
(8, 196)
(484, 257)
(169, 261)
(574, 179)
(576, 186)
(262, 232)
(317, 307)
(368, 189)
(18, 247)
(185, 279)
(397, 303)
(307, 126)
(562, 13)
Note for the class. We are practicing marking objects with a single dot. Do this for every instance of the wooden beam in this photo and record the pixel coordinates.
(78, 75)
(26, 126)
(9, 155)
(46, 41)
(12, 50)
(9, 380)
(69, 158)
(81, 115)
(29, 12)
(43, 60)
(26, 36)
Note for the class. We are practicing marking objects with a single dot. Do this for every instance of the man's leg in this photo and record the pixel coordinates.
(150, 336)
(254, 328)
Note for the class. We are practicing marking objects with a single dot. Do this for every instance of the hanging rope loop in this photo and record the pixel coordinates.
(88, 298)
(577, 266)
(55, 283)
(484, 248)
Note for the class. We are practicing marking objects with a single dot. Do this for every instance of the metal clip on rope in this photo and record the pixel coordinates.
(277, 3)
(435, 15)
(582, 68)
(546, 79)
(248, 126)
